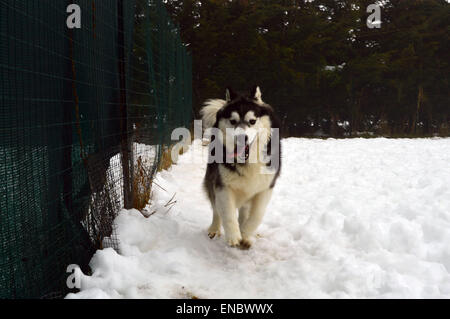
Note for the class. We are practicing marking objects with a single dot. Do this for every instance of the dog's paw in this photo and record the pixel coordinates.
(213, 233)
(234, 241)
(245, 244)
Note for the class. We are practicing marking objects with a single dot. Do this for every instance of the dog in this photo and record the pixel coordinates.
(243, 165)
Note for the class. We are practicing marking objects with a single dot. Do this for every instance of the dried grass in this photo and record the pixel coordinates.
(142, 179)
(166, 158)
(142, 185)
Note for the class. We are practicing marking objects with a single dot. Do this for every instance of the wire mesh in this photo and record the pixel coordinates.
(84, 113)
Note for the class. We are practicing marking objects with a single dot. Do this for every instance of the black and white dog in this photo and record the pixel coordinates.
(243, 165)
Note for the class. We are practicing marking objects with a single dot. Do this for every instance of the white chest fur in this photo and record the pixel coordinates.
(246, 181)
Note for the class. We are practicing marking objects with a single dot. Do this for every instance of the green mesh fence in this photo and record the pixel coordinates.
(84, 113)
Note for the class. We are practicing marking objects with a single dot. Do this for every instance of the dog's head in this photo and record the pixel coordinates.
(245, 122)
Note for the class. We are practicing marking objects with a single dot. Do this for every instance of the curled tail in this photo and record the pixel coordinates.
(209, 112)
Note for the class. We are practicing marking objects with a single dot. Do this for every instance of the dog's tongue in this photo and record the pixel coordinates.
(239, 153)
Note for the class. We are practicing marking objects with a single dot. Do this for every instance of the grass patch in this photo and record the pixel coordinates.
(166, 158)
(143, 180)
(142, 185)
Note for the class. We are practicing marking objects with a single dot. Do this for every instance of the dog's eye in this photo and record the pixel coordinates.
(252, 122)
(233, 122)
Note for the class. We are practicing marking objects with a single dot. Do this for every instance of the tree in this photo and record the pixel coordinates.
(319, 64)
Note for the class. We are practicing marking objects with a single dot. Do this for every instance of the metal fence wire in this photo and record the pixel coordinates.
(85, 115)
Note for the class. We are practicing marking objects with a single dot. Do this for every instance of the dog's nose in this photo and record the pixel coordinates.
(242, 139)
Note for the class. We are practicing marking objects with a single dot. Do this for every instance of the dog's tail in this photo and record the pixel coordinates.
(209, 111)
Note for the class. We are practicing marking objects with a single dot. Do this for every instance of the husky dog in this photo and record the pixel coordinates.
(237, 177)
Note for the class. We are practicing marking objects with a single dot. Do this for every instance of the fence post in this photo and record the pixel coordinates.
(126, 148)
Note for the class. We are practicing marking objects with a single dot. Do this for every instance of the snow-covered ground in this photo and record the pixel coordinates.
(356, 218)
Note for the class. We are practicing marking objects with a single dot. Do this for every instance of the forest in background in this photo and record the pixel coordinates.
(319, 64)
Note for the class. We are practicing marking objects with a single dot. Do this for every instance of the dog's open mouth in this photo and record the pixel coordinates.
(241, 152)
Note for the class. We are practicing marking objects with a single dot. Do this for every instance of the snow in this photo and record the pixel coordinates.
(334, 67)
(352, 218)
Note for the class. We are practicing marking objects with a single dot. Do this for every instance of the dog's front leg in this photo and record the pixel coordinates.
(214, 229)
(258, 208)
(226, 207)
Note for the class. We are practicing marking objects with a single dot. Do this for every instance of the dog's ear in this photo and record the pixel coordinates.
(230, 95)
(255, 93)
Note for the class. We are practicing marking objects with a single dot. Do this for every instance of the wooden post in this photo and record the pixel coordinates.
(125, 145)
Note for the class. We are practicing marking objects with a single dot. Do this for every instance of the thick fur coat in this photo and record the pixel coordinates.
(243, 163)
